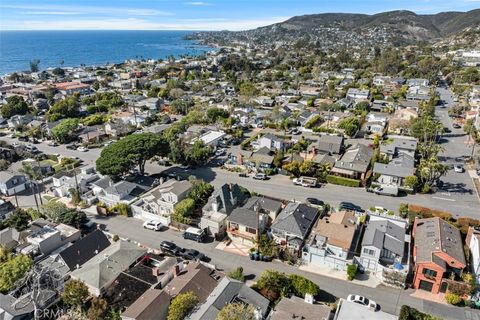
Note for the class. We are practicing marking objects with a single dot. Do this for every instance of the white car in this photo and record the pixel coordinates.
(82, 149)
(11, 135)
(153, 225)
(458, 168)
(219, 152)
(355, 298)
(52, 143)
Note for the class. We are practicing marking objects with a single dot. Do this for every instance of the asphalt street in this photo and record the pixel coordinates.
(389, 299)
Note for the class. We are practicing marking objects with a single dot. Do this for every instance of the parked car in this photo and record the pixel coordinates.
(52, 143)
(71, 146)
(308, 182)
(23, 138)
(355, 298)
(31, 148)
(153, 225)
(260, 176)
(242, 175)
(11, 135)
(219, 152)
(456, 126)
(192, 254)
(315, 202)
(82, 149)
(170, 247)
(194, 234)
(350, 206)
(458, 168)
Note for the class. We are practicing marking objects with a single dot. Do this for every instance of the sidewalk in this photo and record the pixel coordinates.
(361, 279)
(422, 294)
(242, 250)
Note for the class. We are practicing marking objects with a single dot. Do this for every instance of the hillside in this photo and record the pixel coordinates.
(328, 29)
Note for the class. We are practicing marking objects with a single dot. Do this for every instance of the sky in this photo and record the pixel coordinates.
(192, 15)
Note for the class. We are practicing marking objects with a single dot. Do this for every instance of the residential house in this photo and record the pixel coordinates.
(261, 159)
(117, 128)
(112, 193)
(347, 310)
(293, 225)
(354, 163)
(69, 88)
(227, 291)
(294, 307)
(437, 254)
(399, 145)
(19, 120)
(417, 82)
(78, 179)
(100, 271)
(49, 238)
(6, 209)
(12, 183)
(158, 203)
(193, 277)
(473, 242)
(210, 138)
(358, 94)
(219, 206)
(328, 144)
(396, 171)
(10, 238)
(333, 241)
(83, 250)
(92, 135)
(401, 121)
(246, 222)
(152, 305)
(271, 142)
(386, 246)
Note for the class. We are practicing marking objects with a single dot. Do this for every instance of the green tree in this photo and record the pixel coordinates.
(411, 182)
(67, 108)
(352, 271)
(237, 274)
(248, 89)
(183, 210)
(19, 220)
(236, 311)
(429, 171)
(350, 125)
(15, 106)
(301, 286)
(75, 293)
(200, 191)
(198, 153)
(94, 119)
(63, 131)
(60, 213)
(273, 284)
(13, 269)
(132, 151)
(214, 114)
(181, 305)
(98, 308)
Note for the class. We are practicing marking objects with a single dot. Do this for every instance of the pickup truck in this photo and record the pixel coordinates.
(385, 190)
(308, 182)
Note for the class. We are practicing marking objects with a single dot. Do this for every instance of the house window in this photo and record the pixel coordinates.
(429, 273)
(251, 230)
(370, 252)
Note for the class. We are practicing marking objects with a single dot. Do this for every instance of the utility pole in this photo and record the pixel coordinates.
(15, 194)
(39, 189)
(32, 185)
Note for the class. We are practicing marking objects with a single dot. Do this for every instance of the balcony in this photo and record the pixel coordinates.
(238, 233)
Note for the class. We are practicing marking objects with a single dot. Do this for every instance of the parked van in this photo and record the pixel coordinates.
(386, 190)
(194, 234)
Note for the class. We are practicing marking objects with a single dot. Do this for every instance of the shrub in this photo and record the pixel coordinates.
(408, 313)
(301, 286)
(13, 269)
(352, 271)
(237, 274)
(181, 305)
(453, 298)
(343, 181)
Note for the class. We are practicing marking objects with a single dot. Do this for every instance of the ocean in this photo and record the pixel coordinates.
(73, 48)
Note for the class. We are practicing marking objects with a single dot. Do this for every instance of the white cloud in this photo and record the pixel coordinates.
(197, 3)
(138, 24)
(72, 10)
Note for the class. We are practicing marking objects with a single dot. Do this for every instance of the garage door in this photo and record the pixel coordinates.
(425, 285)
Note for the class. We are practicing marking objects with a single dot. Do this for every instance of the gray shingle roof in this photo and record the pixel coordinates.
(357, 159)
(384, 234)
(296, 219)
(227, 198)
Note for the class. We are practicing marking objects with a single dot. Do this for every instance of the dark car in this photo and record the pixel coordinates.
(192, 254)
(242, 175)
(23, 138)
(456, 126)
(71, 146)
(315, 202)
(350, 206)
(170, 247)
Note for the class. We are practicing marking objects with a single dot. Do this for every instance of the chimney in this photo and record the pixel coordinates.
(155, 272)
(176, 271)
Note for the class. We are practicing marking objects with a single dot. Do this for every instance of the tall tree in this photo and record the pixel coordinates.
(15, 106)
(132, 151)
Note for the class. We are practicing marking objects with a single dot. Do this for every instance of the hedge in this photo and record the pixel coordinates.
(245, 143)
(409, 313)
(343, 181)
